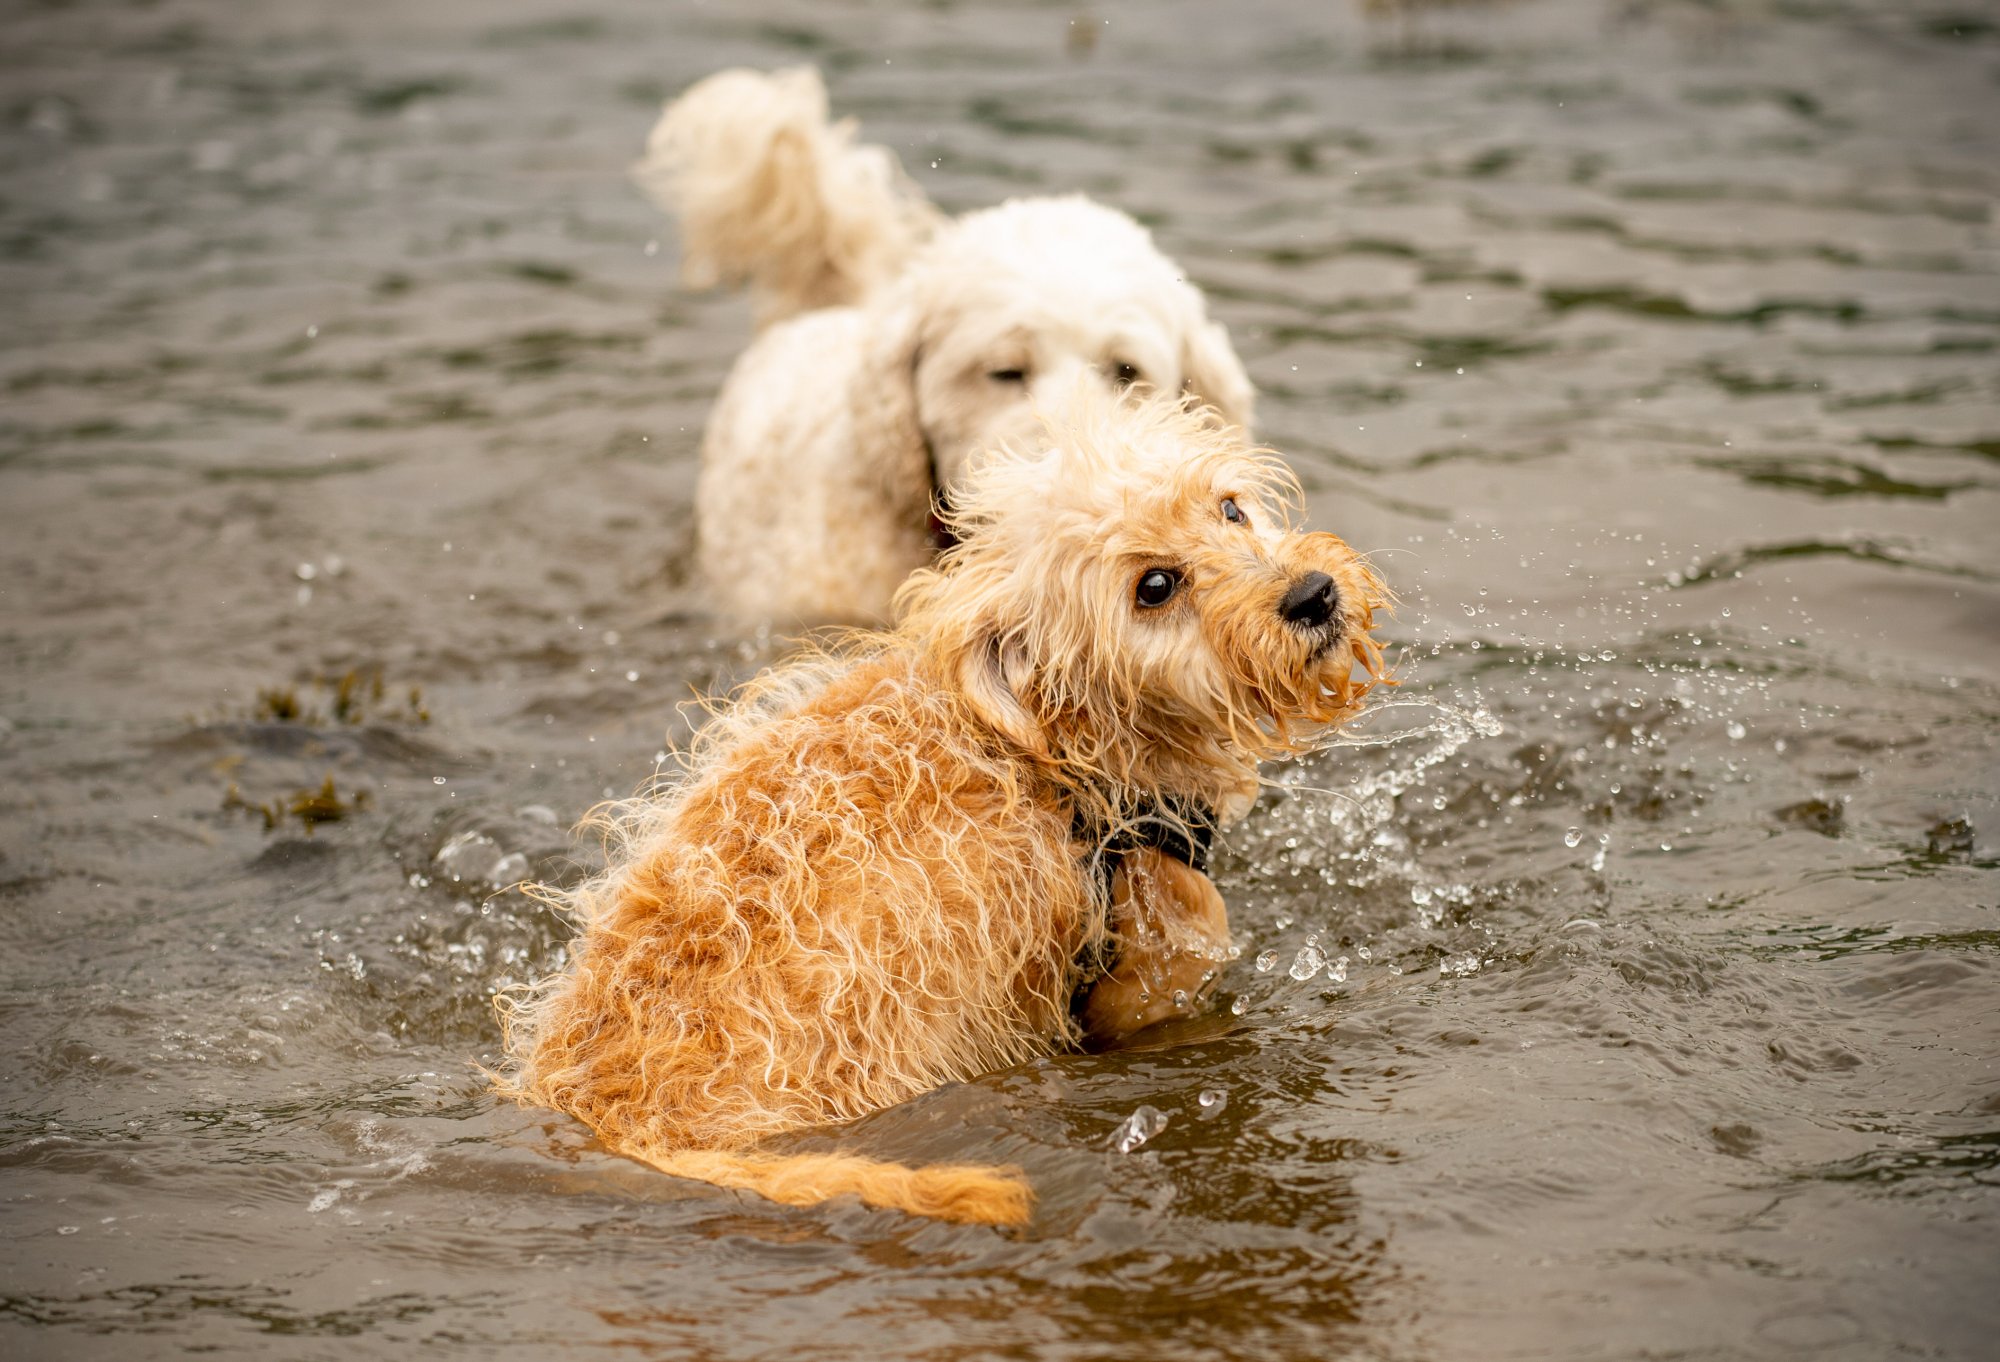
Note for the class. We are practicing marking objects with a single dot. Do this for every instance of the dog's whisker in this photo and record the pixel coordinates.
(1290, 789)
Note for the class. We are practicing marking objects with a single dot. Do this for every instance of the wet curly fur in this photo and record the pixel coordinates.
(895, 342)
(869, 881)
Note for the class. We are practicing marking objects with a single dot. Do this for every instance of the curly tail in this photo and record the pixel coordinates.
(770, 194)
(965, 1193)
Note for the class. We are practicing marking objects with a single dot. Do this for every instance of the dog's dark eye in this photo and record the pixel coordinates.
(1233, 513)
(1008, 375)
(1157, 587)
(1126, 374)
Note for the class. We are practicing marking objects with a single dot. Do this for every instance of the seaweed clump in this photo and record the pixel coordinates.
(311, 807)
(357, 696)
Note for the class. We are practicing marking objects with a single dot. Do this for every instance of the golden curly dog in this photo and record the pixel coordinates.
(884, 867)
(895, 342)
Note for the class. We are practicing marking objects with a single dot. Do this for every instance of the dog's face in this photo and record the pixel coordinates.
(1016, 305)
(1135, 604)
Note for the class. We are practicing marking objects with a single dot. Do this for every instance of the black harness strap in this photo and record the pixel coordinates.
(1181, 828)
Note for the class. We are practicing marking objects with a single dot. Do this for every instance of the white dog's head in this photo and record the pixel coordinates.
(1013, 305)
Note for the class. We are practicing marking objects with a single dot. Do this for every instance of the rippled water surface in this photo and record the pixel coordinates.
(1626, 988)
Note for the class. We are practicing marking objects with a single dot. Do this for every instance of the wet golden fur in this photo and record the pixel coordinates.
(868, 881)
(895, 342)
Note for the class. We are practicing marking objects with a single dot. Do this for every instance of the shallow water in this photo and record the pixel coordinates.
(1626, 988)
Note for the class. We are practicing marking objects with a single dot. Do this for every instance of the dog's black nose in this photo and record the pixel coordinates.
(1311, 601)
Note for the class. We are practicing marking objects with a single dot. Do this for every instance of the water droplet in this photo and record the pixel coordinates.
(1141, 1126)
(1306, 963)
(1736, 730)
(1572, 837)
(1266, 962)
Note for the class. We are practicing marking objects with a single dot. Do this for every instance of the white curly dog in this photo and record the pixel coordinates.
(894, 342)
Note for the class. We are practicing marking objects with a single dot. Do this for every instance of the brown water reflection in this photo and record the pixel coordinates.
(1630, 995)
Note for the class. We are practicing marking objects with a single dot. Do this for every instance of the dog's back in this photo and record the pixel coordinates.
(848, 904)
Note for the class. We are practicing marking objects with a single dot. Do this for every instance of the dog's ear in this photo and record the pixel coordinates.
(1215, 375)
(888, 436)
(994, 676)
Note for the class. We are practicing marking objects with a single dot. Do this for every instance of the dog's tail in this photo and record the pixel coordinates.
(965, 1193)
(770, 194)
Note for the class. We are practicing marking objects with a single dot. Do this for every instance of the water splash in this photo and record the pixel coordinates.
(1141, 1126)
(1368, 804)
